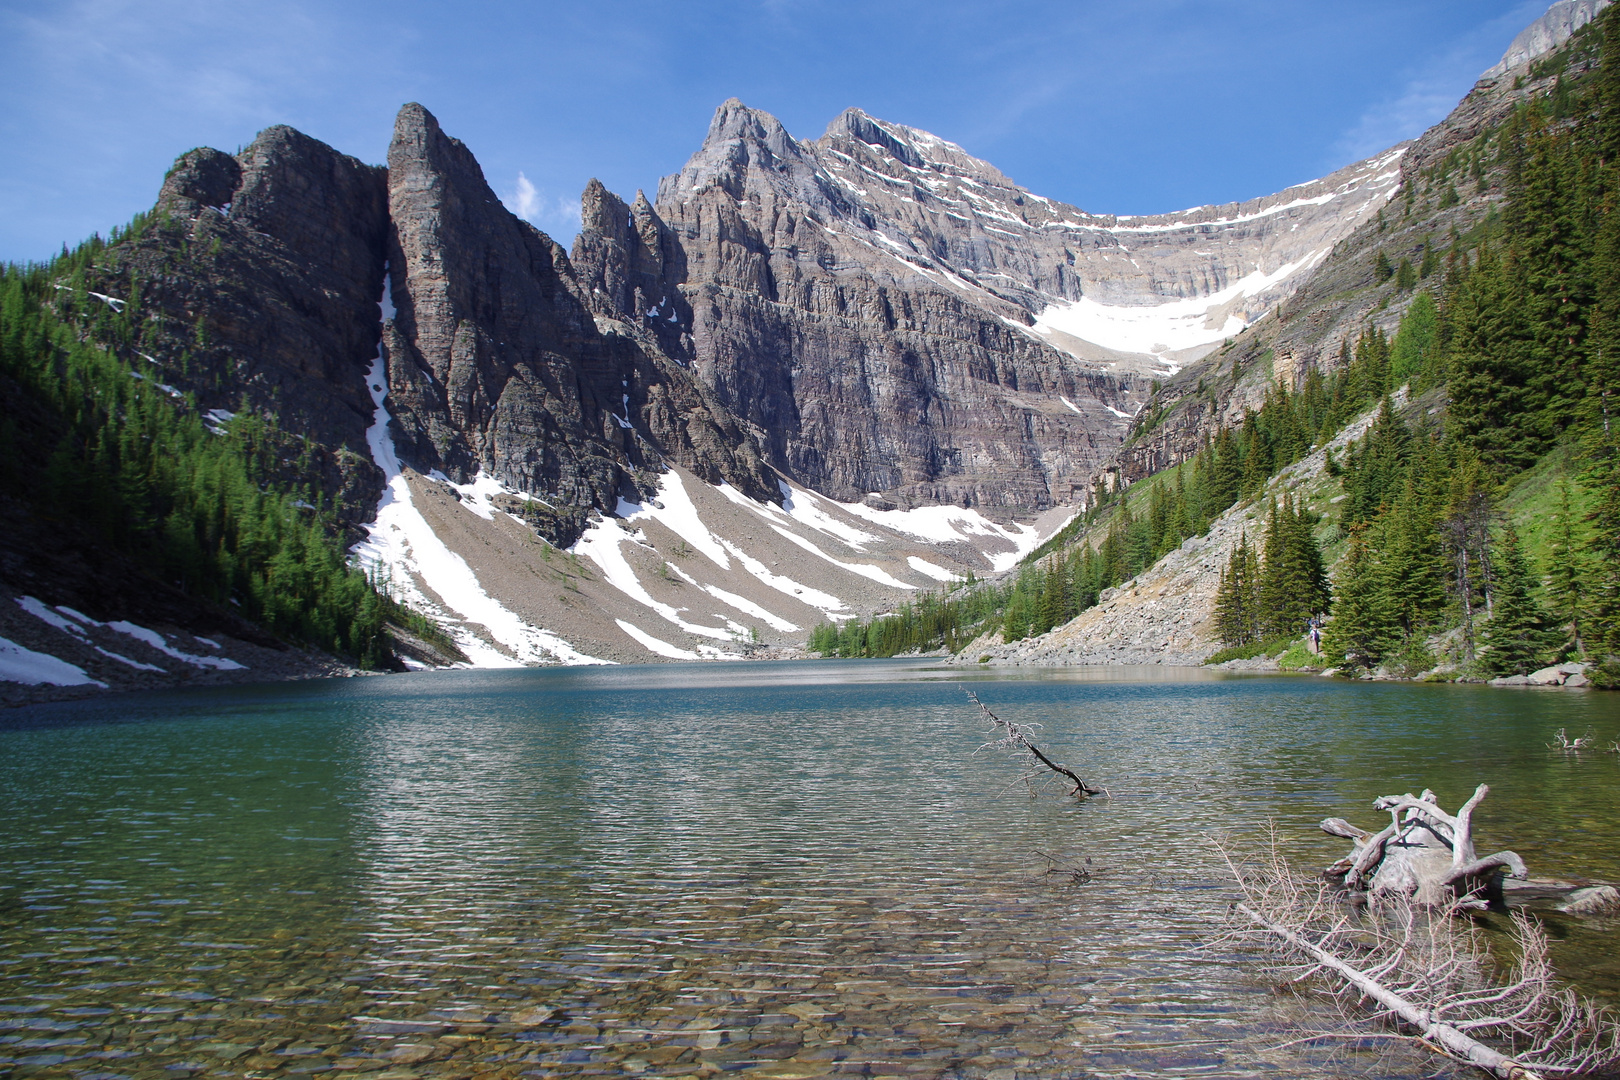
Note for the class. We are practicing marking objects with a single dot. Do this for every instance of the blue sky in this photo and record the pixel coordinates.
(1129, 106)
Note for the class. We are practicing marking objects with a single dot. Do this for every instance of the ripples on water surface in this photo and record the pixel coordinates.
(780, 871)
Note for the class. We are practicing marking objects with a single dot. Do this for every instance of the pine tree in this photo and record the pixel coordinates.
(1465, 535)
(1237, 599)
(1293, 586)
(1517, 637)
(1414, 344)
(1363, 627)
(1565, 576)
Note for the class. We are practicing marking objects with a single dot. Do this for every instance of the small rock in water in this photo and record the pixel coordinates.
(1547, 676)
(538, 1015)
(1597, 900)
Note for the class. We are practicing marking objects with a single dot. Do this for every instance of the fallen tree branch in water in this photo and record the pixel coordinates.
(1017, 737)
(1424, 974)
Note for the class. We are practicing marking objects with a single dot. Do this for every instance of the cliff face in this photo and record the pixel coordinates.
(253, 277)
(260, 277)
(898, 317)
(1555, 27)
(865, 370)
(497, 364)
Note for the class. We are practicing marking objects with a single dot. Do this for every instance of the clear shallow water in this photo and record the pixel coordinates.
(771, 870)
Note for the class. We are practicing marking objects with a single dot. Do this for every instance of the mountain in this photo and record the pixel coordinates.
(1547, 33)
(808, 381)
(896, 317)
(1501, 227)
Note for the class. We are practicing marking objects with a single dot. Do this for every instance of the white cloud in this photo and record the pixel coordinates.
(1429, 94)
(525, 200)
(558, 216)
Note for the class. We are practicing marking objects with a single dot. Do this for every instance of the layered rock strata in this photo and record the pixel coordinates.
(896, 316)
(258, 279)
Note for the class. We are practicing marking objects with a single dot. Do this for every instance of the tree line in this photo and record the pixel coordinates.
(89, 438)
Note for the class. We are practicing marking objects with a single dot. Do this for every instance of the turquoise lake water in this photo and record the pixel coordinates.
(771, 870)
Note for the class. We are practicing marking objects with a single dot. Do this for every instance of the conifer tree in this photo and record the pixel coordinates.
(1293, 586)
(1517, 637)
(1565, 577)
(1465, 533)
(1363, 627)
(1411, 352)
(1237, 600)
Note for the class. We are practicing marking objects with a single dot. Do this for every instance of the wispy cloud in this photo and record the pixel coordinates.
(1430, 93)
(557, 215)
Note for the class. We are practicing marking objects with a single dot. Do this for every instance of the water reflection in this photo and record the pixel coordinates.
(779, 870)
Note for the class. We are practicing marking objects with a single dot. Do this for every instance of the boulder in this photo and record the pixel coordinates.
(1547, 676)
(1597, 900)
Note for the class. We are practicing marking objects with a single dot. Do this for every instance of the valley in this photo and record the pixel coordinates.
(809, 383)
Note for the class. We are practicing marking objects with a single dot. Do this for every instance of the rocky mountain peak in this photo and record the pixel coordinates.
(201, 177)
(1541, 37)
(317, 201)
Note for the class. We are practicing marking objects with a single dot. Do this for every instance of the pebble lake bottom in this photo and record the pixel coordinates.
(757, 870)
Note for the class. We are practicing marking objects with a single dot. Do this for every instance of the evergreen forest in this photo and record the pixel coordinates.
(122, 463)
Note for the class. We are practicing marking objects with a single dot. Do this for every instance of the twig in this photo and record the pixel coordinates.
(1018, 737)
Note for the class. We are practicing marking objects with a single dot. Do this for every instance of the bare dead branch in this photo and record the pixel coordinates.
(1422, 974)
(1017, 737)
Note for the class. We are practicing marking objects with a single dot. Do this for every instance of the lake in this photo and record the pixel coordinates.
(770, 870)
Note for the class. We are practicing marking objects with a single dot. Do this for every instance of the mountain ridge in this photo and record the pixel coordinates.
(839, 369)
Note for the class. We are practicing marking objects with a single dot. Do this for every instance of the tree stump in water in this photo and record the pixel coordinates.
(1424, 854)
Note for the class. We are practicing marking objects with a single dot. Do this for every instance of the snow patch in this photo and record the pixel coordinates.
(156, 641)
(401, 546)
(748, 607)
(1157, 329)
(656, 646)
(863, 569)
(679, 516)
(20, 665)
(602, 545)
(39, 611)
(928, 569)
(801, 506)
(136, 664)
(834, 608)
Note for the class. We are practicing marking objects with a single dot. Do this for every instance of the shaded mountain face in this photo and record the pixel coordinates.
(260, 278)
(498, 364)
(895, 316)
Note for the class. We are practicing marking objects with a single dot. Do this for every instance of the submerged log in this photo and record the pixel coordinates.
(1424, 853)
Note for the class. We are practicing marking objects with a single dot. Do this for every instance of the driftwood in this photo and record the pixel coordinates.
(1401, 970)
(1562, 741)
(1018, 737)
(1424, 853)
